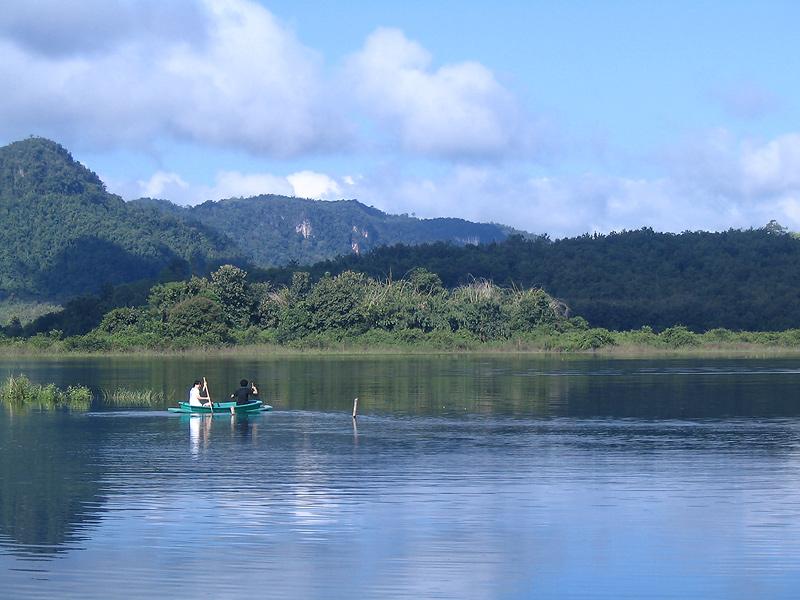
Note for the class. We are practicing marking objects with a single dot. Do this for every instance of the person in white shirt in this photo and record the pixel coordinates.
(195, 396)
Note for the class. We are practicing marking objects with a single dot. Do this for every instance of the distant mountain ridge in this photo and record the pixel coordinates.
(63, 234)
(276, 230)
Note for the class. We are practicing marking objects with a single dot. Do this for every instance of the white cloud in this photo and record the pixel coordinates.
(254, 86)
(571, 205)
(163, 185)
(771, 168)
(739, 170)
(559, 206)
(308, 184)
(228, 184)
(94, 74)
(227, 74)
(236, 78)
(459, 110)
(232, 184)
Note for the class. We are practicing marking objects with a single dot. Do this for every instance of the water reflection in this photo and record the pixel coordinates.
(199, 431)
(242, 428)
(451, 385)
(245, 428)
(50, 472)
(460, 478)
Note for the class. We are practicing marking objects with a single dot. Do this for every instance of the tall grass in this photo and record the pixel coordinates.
(128, 397)
(19, 392)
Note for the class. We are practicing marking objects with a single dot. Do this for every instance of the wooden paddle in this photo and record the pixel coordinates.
(210, 402)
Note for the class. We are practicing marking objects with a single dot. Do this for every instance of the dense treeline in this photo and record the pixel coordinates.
(739, 280)
(736, 280)
(351, 310)
(226, 309)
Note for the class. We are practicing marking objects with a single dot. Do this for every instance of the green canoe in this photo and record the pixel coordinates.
(222, 408)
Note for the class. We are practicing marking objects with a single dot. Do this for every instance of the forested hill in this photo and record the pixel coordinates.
(63, 234)
(740, 280)
(276, 230)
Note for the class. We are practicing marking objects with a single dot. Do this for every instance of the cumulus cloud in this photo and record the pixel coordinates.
(740, 169)
(227, 73)
(163, 185)
(456, 111)
(255, 87)
(319, 186)
(228, 184)
(713, 185)
(234, 77)
(233, 184)
(563, 206)
(771, 168)
(711, 182)
(436, 140)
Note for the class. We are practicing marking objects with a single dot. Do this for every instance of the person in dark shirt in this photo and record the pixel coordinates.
(242, 395)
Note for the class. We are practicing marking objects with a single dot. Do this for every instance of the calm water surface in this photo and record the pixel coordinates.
(462, 477)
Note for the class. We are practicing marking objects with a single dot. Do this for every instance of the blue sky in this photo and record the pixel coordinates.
(553, 117)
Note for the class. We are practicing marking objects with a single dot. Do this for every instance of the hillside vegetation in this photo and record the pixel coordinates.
(278, 230)
(63, 234)
(65, 239)
(742, 280)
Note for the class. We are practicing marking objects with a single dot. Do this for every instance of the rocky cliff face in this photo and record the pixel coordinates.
(305, 229)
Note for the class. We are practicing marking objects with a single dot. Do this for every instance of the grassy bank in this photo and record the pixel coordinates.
(624, 350)
(575, 338)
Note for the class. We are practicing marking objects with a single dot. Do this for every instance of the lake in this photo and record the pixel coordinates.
(462, 477)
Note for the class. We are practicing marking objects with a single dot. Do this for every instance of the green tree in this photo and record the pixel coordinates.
(267, 304)
(675, 337)
(166, 295)
(14, 327)
(478, 308)
(425, 282)
(120, 319)
(197, 320)
(532, 309)
(228, 282)
(337, 302)
(301, 286)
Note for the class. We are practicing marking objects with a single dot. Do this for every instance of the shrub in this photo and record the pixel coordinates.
(596, 338)
(678, 336)
(720, 334)
(198, 318)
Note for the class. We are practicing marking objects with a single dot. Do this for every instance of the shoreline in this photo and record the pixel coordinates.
(717, 350)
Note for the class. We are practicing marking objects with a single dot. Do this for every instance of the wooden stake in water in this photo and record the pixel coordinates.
(355, 407)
